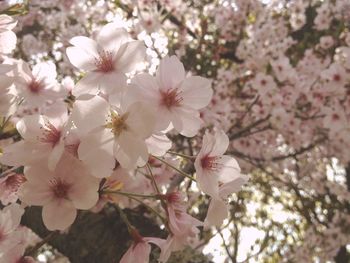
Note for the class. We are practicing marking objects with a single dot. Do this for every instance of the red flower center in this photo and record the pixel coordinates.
(35, 86)
(105, 62)
(336, 77)
(210, 162)
(59, 188)
(14, 181)
(50, 134)
(171, 98)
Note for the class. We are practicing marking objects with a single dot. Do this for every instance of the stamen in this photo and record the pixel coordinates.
(117, 123)
(105, 62)
(171, 98)
(210, 163)
(50, 134)
(59, 188)
(35, 86)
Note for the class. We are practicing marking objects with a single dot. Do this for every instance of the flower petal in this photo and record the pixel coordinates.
(186, 122)
(171, 72)
(129, 55)
(216, 214)
(111, 37)
(196, 92)
(59, 214)
(89, 114)
(96, 152)
(80, 59)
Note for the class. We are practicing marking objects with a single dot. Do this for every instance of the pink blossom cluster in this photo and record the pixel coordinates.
(107, 137)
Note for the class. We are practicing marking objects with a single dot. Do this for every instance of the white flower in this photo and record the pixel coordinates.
(106, 59)
(37, 86)
(176, 99)
(61, 192)
(112, 133)
(42, 138)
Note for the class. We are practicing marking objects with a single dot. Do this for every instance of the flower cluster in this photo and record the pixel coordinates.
(83, 148)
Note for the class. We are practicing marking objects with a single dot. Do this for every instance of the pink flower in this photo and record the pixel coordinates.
(110, 133)
(42, 138)
(336, 77)
(140, 249)
(217, 175)
(218, 208)
(69, 187)
(176, 99)
(211, 163)
(37, 86)
(180, 223)
(106, 59)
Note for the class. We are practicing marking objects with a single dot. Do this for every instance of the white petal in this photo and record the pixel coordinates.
(55, 155)
(221, 143)
(81, 59)
(141, 251)
(196, 92)
(141, 119)
(158, 144)
(207, 181)
(186, 122)
(45, 70)
(129, 55)
(229, 168)
(84, 193)
(87, 45)
(59, 214)
(8, 41)
(216, 214)
(89, 114)
(33, 193)
(30, 127)
(131, 151)
(96, 152)
(24, 153)
(112, 82)
(111, 37)
(171, 72)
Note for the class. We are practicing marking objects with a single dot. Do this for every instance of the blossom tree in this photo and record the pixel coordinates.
(161, 131)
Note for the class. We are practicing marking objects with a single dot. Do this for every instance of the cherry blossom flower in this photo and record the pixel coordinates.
(211, 164)
(218, 207)
(42, 138)
(180, 223)
(106, 59)
(37, 86)
(61, 192)
(176, 99)
(335, 76)
(140, 248)
(112, 133)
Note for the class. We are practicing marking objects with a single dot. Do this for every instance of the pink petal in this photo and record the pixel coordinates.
(80, 59)
(186, 122)
(216, 214)
(171, 72)
(197, 92)
(59, 214)
(111, 37)
(129, 55)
